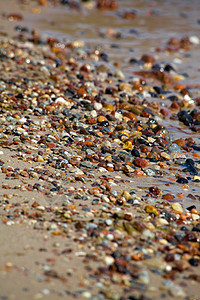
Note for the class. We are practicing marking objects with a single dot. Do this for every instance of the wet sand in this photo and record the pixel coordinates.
(85, 224)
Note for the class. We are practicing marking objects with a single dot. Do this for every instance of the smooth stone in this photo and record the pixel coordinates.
(109, 260)
(149, 172)
(165, 155)
(87, 165)
(98, 106)
(108, 222)
(177, 291)
(148, 234)
(40, 207)
(151, 209)
(119, 74)
(177, 207)
(156, 263)
(86, 295)
(162, 222)
(144, 277)
(174, 148)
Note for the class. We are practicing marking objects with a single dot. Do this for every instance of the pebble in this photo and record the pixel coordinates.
(109, 260)
(151, 209)
(108, 222)
(177, 291)
(86, 295)
(177, 207)
(174, 148)
(162, 222)
(156, 263)
(98, 106)
(150, 172)
(144, 277)
(40, 207)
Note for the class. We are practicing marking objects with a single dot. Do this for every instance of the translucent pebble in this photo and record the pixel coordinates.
(174, 148)
(169, 138)
(118, 116)
(22, 120)
(148, 234)
(150, 172)
(45, 291)
(98, 105)
(177, 291)
(93, 113)
(177, 61)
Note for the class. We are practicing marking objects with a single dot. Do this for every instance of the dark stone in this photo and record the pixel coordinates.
(130, 201)
(196, 229)
(193, 262)
(191, 207)
(184, 228)
(184, 117)
(135, 152)
(182, 180)
(158, 90)
(104, 124)
(169, 68)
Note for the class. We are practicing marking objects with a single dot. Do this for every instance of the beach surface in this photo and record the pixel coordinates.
(99, 150)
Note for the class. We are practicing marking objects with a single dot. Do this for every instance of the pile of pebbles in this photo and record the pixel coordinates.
(76, 129)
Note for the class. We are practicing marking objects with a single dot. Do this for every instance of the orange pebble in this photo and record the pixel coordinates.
(195, 155)
(110, 169)
(180, 195)
(101, 119)
(171, 179)
(179, 87)
(88, 143)
(194, 211)
(99, 133)
(111, 31)
(135, 257)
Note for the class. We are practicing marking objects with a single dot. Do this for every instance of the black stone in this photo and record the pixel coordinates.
(191, 207)
(182, 180)
(135, 152)
(184, 228)
(193, 262)
(185, 117)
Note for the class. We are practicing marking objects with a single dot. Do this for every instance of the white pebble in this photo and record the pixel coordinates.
(110, 236)
(194, 40)
(98, 105)
(108, 222)
(109, 260)
(40, 207)
(45, 291)
(86, 295)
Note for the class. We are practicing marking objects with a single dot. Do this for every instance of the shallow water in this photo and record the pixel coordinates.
(155, 22)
